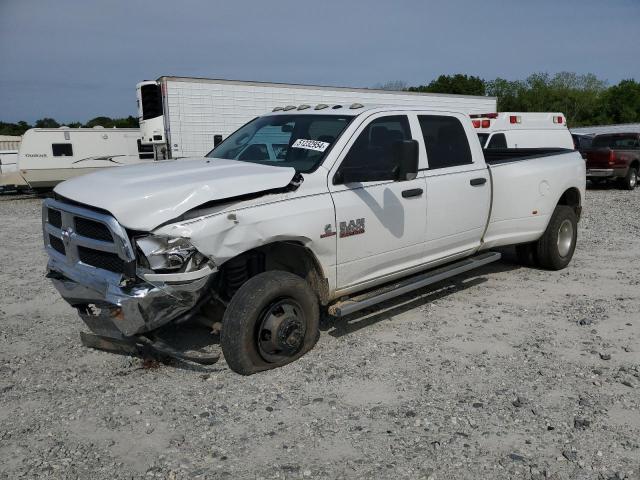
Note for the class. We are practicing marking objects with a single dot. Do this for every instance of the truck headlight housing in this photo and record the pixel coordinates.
(171, 254)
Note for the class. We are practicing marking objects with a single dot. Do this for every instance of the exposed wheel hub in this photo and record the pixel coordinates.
(565, 238)
(282, 330)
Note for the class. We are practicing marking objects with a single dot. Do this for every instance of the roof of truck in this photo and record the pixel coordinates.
(351, 109)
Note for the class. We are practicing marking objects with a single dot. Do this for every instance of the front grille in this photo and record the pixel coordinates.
(86, 238)
(55, 217)
(91, 229)
(98, 259)
(56, 244)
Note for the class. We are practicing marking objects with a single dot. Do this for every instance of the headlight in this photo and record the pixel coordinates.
(173, 254)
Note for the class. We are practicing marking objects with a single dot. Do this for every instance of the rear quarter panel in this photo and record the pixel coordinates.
(526, 192)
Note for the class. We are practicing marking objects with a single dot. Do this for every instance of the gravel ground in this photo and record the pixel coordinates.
(508, 372)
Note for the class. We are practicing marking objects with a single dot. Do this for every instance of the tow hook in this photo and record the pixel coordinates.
(142, 345)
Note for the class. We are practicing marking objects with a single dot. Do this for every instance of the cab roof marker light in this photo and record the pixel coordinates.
(321, 106)
(335, 107)
(289, 107)
(486, 123)
(559, 120)
(476, 123)
(356, 105)
(484, 115)
(304, 107)
(515, 119)
(277, 109)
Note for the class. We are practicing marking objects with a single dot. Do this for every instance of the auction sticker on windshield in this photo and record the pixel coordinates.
(316, 145)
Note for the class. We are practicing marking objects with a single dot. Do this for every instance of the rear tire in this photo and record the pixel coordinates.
(555, 248)
(631, 180)
(272, 320)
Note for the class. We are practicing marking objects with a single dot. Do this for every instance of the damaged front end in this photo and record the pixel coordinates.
(122, 287)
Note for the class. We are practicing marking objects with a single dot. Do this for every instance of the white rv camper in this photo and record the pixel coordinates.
(11, 179)
(48, 156)
(186, 117)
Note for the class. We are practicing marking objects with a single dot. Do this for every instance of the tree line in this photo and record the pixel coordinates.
(584, 99)
(20, 127)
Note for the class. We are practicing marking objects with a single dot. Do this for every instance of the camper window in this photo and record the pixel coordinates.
(62, 149)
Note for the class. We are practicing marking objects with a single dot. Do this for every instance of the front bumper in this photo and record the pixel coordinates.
(113, 310)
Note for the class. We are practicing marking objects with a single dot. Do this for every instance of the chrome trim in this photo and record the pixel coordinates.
(113, 310)
(107, 305)
(121, 245)
(600, 172)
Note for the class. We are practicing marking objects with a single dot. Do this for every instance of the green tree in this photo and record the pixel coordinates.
(455, 84)
(105, 122)
(14, 128)
(46, 123)
(622, 102)
(128, 122)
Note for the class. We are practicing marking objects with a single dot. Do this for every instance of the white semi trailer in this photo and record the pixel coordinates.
(187, 117)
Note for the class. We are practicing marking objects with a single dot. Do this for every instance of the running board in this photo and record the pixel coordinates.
(341, 309)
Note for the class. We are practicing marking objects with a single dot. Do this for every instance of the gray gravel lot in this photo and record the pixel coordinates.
(508, 372)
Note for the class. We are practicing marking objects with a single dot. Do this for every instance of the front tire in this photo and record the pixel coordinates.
(555, 248)
(272, 320)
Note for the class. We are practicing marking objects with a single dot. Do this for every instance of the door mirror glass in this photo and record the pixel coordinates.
(406, 157)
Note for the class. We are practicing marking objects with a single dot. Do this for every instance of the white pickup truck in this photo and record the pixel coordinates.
(331, 208)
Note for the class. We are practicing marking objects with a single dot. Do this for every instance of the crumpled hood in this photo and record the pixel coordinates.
(141, 197)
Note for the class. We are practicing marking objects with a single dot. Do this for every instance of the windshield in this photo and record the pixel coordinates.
(616, 141)
(298, 141)
(483, 139)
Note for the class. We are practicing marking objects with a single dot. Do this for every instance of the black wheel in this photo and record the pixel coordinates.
(631, 180)
(526, 253)
(272, 320)
(555, 248)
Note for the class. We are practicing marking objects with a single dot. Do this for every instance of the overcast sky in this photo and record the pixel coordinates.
(77, 59)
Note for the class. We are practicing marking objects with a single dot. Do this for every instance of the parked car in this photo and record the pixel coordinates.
(615, 156)
(364, 204)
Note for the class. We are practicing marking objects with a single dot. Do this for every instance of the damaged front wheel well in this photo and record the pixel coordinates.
(287, 256)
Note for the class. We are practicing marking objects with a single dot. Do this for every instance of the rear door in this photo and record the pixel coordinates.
(380, 222)
(458, 186)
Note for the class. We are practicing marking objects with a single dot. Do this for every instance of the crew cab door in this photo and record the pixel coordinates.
(458, 199)
(380, 221)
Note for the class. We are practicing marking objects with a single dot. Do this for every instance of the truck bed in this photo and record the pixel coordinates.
(494, 156)
(525, 194)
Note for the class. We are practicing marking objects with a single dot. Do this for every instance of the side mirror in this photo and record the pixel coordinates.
(405, 154)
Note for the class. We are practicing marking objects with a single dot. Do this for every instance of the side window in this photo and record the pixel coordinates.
(445, 140)
(371, 155)
(498, 141)
(62, 149)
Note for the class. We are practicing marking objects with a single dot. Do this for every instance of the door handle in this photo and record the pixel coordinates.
(414, 192)
(476, 182)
